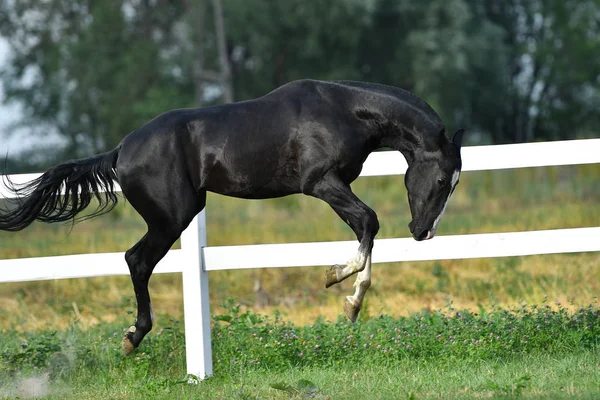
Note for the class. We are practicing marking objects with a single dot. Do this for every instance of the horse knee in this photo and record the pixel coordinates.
(372, 223)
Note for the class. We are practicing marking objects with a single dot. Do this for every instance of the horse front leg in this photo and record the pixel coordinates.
(338, 273)
(353, 304)
(365, 225)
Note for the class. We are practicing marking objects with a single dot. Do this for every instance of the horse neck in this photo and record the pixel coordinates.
(411, 143)
(411, 133)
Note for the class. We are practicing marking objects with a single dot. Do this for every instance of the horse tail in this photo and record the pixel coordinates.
(62, 192)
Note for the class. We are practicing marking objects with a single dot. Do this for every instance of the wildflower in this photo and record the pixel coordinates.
(300, 354)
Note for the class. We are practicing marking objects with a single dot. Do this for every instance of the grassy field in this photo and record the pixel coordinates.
(532, 352)
(75, 326)
(495, 201)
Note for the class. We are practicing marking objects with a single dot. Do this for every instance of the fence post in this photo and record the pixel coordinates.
(196, 306)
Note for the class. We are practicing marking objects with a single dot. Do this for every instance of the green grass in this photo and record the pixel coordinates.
(527, 351)
(533, 376)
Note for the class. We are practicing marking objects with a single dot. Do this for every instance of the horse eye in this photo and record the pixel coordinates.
(441, 181)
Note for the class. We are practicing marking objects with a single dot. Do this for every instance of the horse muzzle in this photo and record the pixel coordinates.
(420, 234)
(423, 235)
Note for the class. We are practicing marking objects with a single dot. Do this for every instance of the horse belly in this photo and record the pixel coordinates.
(253, 182)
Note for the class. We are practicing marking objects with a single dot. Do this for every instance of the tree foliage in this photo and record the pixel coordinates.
(508, 71)
(91, 70)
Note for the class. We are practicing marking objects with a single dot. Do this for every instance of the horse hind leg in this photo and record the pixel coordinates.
(141, 259)
(166, 218)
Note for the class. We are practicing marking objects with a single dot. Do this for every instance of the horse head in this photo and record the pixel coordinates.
(430, 180)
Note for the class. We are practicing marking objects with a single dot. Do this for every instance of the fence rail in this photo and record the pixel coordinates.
(195, 259)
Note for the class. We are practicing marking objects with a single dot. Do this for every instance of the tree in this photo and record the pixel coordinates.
(500, 68)
(93, 71)
(438, 50)
(511, 70)
(201, 75)
(552, 68)
(274, 42)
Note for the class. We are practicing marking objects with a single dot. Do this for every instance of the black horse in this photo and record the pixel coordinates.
(307, 136)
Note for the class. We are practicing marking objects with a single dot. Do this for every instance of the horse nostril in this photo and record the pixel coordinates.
(422, 235)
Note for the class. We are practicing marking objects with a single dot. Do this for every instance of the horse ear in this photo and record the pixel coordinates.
(457, 139)
(442, 138)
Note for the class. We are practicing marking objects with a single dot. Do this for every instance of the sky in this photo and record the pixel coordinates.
(9, 114)
(12, 140)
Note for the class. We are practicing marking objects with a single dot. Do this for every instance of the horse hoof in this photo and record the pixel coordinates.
(126, 343)
(351, 309)
(331, 276)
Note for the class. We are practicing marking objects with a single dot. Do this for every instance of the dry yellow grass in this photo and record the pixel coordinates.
(498, 201)
(397, 290)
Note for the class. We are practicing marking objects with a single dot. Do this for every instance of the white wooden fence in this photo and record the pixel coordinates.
(195, 259)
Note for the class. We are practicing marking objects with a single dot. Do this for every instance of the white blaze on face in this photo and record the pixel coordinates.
(436, 223)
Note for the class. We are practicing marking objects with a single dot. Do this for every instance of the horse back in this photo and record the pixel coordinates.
(276, 145)
(272, 146)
